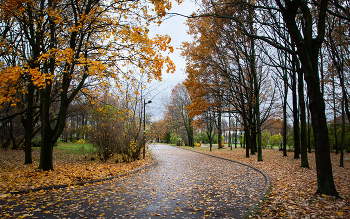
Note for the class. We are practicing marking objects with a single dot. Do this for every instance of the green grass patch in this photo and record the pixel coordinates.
(72, 148)
(75, 148)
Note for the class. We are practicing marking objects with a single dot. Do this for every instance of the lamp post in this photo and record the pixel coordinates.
(144, 127)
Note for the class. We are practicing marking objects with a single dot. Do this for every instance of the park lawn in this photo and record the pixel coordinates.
(292, 189)
(72, 164)
(72, 148)
(76, 148)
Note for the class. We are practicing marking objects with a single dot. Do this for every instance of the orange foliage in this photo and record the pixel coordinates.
(115, 43)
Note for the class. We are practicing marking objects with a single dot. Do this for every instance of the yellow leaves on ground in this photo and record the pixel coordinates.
(293, 188)
(69, 169)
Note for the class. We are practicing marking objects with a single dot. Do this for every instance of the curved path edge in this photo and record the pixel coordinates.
(26, 191)
(267, 178)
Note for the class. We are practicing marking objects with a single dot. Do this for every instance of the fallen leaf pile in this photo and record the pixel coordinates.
(69, 169)
(292, 190)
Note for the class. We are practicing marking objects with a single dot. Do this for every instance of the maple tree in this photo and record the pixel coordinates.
(222, 61)
(61, 48)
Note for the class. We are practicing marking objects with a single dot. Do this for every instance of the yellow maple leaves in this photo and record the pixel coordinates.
(9, 84)
(110, 39)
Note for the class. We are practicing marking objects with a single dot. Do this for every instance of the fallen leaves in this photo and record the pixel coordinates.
(182, 185)
(69, 170)
(292, 191)
(185, 184)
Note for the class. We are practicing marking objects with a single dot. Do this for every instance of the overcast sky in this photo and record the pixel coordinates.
(175, 27)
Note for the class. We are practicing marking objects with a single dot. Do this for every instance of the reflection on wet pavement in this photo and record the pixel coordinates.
(182, 184)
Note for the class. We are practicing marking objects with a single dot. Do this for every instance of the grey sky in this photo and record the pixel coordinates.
(175, 27)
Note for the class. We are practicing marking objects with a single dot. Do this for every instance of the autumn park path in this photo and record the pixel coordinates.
(182, 184)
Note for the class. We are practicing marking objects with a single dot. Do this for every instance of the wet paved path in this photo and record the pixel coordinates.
(183, 184)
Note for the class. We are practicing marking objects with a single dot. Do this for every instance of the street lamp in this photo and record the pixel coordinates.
(144, 126)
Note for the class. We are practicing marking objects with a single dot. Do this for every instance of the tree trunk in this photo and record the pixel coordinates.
(344, 92)
(13, 139)
(304, 158)
(46, 131)
(319, 123)
(210, 138)
(285, 114)
(258, 123)
(253, 139)
(219, 130)
(210, 132)
(229, 131)
(247, 140)
(308, 47)
(295, 114)
(28, 125)
(308, 128)
(190, 135)
(256, 137)
(335, 119)
(321, 72)
(252, 129)
(236, 135)
(342, 144)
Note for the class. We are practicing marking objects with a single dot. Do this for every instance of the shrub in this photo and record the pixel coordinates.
(201, 137)
(111, 133)
(276, 140)
(265, 139)
(179, 142)
(197, 144)
(81, 141)
(36, 141)
(175, 139)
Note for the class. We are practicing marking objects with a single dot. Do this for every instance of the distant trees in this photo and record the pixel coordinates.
(224, 63)
(178, 114)
(159, 130)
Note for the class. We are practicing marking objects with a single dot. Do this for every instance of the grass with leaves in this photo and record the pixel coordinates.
(292, 192)
(72, 164)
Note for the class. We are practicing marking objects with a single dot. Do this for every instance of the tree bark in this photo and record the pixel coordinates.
(342, 144)
(247, 140)
(46, 131)
(229, 131)
(319, 123)
(236, 134)
(303, 141)
(219, 130)
(13, 139)
(308, 47)
(308, 127)
(335, 119)
(295, 114)
(28, 124)
(285, 114)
